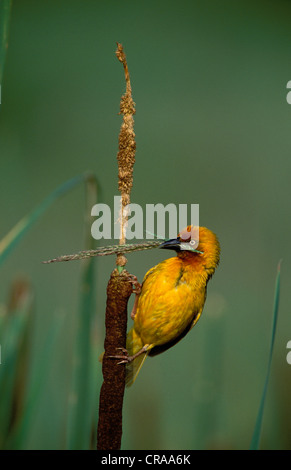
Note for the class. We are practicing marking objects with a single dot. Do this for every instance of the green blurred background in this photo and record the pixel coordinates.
(212, 127)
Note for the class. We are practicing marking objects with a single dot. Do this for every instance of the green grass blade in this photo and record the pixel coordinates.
(13, 340)
(16, 234)
(81, 413)
(5, 9)
(37, 384)
(10, 356)
(258, 426)
(80, 410)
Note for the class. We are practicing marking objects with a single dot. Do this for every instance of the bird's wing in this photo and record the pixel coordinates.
(163, 347)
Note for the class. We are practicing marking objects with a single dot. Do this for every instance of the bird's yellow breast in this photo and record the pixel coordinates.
(173, 293)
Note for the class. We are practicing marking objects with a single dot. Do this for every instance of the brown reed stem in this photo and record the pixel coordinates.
(109, 430)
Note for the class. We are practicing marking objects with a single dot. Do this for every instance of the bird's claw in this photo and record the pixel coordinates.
(136, 289)
(136, 286)
(125, 358)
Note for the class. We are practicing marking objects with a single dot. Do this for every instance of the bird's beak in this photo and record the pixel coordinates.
(178, 245)
(173, 244)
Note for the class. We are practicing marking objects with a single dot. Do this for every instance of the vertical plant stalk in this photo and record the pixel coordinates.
(255, 443)
(109, 430)
(126, 153)
(119, 287)
(15, 344)
(80, 409)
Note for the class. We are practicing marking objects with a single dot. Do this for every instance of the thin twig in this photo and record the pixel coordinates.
(107, 250)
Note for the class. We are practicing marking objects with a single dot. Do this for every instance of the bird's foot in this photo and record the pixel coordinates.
(136, 286)
(136, 289)
(125, 357)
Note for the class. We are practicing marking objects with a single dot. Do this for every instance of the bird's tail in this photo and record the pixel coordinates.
(133, 345)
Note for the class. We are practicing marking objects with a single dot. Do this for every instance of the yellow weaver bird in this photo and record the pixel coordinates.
(171, 298)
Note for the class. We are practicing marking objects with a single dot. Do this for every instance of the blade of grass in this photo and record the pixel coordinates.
(5, 10)
(10, 355)
(7, 244)
(258, 426)
(80, 414)
(96, 383)
(37, 384)
(16, 234)
(13, 339)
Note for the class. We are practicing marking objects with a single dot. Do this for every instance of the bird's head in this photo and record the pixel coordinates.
(196, 242)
